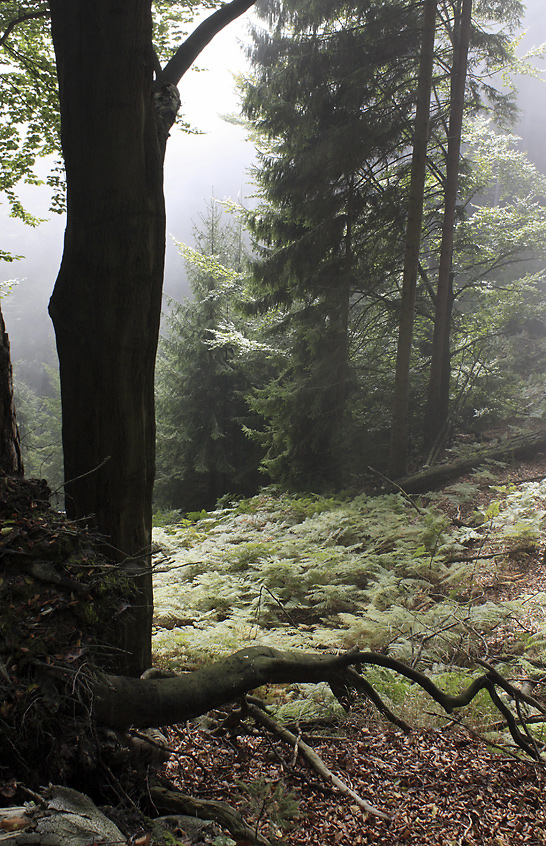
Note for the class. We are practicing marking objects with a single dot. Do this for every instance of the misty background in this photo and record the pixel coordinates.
(214, 163)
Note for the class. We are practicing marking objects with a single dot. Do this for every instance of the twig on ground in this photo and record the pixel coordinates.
(404, 493)
(312, 758)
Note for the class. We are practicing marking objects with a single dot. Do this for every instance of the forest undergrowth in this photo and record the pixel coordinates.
(439, 582)
(436, 582)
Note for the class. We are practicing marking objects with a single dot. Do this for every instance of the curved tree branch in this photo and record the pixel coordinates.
(120, 701)
(21, 19)
(187, 53)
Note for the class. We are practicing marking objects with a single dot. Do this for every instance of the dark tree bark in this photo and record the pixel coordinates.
(106, 303)
(10, 448)
(440, 366)
(121, 702)
(399, 426)
(107, 298)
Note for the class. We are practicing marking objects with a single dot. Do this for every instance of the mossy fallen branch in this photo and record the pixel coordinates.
(432, 477)
(206, 809)
(121, 701)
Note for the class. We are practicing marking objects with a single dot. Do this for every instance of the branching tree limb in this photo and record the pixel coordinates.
(15, 22)
(188, 52)
(121, 701)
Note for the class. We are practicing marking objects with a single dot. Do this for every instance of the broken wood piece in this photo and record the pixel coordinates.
(220, 812)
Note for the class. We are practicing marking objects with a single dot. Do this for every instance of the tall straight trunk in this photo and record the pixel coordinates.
(340, 359)
(399, 426)
(107, 298)
(340, 378)
(437, 408)
(11, 462)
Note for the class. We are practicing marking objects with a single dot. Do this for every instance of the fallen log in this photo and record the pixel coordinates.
(433, 477)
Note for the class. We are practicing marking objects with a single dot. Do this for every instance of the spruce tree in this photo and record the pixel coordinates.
(331, 102)
(202, 380)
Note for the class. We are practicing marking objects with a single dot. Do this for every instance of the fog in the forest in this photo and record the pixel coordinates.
(197, 167)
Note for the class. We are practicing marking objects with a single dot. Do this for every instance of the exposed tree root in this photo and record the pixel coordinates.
(220, 812)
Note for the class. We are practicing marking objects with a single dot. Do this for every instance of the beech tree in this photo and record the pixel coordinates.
(116, 105)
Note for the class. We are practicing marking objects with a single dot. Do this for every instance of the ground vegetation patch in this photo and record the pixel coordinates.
(443, 583)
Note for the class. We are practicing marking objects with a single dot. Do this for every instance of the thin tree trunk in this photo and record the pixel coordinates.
(10, 447)
(107, 298)
(341, 299)
(340, 374)
(399, 427)
(440, 367)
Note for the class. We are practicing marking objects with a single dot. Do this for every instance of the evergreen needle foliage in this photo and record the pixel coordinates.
(207, 365)
(331, 104)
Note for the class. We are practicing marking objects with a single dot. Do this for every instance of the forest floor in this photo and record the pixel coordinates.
(439, 785)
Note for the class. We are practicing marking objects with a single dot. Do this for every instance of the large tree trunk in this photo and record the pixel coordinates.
(10, 448)
(399, 427)
(107, 298)
(106, 304)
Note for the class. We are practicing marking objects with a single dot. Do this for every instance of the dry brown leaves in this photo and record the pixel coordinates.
(438, 786)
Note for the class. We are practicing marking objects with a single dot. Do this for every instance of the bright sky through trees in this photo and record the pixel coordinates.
(219, 160)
